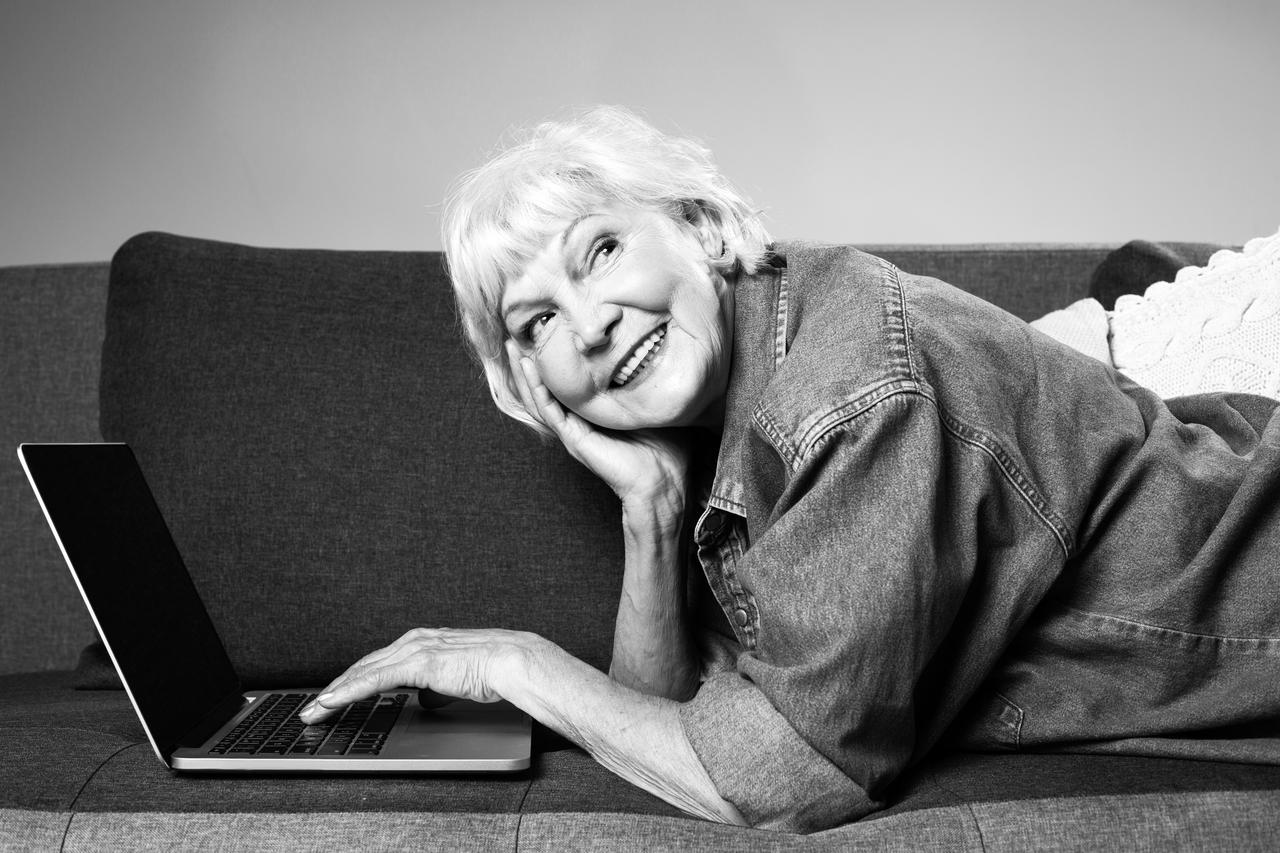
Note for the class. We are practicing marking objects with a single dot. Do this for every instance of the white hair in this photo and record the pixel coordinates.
(500, 216)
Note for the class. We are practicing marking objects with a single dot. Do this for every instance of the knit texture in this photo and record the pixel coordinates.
(1213, 328)
(1082, 325)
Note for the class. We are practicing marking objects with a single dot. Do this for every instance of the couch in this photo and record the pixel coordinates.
(334, 473)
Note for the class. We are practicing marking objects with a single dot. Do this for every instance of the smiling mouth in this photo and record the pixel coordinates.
(640, 358)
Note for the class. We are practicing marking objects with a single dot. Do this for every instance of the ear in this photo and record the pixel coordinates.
(706, 225)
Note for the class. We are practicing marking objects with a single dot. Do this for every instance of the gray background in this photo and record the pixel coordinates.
(340, 125)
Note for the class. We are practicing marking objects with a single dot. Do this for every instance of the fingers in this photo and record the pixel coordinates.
(537, 400)
(347, 691)
(391, 674)
(523, 380)
(454, 662)
(535, 396)
(362, 677)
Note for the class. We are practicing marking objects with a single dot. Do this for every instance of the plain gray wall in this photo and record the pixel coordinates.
(340, 125)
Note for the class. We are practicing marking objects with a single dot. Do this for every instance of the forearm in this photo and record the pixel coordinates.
(653, 650)
(637, 736)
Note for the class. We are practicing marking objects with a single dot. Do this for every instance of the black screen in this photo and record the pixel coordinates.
(135, 583)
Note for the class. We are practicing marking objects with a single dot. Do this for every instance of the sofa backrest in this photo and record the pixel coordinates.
(325, 452)
(51, 327)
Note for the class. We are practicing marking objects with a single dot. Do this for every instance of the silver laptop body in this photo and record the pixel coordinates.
(176, 671)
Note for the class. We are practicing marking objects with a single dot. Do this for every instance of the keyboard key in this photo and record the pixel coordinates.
(273, 728)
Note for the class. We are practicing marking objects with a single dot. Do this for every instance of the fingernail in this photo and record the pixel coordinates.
(323, 699)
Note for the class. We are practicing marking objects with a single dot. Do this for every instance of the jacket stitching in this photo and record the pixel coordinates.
(719, 501)
(794, 451)
(1256, 642)
(896, 311)
(1022, 715)
(1014, 475)
(774, 433)
(780, 330)
(793, 455)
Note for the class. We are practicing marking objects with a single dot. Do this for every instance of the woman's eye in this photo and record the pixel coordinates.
(602, 250)
(535, 324)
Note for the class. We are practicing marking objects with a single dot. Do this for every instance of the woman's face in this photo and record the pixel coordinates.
(624, 319)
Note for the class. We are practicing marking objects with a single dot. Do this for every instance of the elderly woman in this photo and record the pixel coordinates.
(862, 510)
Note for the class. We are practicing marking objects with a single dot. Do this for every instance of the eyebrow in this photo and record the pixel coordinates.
(578, 220)
(507, 309)
(515, 308)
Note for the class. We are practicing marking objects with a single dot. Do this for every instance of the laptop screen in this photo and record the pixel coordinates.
(134, 582)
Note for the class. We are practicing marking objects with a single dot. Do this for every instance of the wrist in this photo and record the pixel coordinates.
(534, 665)
(660, 511)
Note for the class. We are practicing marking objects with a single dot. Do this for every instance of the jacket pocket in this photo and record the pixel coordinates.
(992, 722)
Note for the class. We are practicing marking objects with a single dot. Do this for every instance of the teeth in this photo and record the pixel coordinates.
(641, 357)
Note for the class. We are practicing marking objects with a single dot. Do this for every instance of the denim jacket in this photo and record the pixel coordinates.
(928, 520)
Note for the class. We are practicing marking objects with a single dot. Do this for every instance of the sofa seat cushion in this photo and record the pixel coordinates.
(83, 752)
(133, 779)
(970, 778)
(57, 738)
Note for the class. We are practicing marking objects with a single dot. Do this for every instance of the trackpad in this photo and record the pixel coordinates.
(465, 729)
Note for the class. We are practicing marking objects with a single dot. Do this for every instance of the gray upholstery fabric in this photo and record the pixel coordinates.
(1029, 281)
(1241, 822)
(51, 330)
(21, 829)
(1138, 264)
(1154, 822)
(318, 831)
(329, 461)
(959, 778)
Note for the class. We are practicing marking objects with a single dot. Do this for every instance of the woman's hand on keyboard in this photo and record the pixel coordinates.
(637, 736)
(466, 663)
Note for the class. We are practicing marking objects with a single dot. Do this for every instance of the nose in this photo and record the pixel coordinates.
(594, 325)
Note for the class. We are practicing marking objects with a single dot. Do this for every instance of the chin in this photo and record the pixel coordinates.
(637, 416)
(662, 404)
(672, 416)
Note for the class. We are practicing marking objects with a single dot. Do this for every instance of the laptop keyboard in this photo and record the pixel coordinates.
(273, 728)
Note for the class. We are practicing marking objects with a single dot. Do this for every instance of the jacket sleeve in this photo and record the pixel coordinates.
(867, 630)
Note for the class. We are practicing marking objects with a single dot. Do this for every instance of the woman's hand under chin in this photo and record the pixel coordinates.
(646, 468)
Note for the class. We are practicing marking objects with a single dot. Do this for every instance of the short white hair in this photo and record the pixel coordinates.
(498, 217)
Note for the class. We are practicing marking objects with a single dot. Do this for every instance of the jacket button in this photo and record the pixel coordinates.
(711, 528)
(740, 616)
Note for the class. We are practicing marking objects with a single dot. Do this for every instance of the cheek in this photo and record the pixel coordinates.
(560, 370)
(701, 313)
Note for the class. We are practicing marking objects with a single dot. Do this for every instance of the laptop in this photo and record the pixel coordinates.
(176, 670)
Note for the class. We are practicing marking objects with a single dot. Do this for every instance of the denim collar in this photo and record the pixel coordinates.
(759, 346)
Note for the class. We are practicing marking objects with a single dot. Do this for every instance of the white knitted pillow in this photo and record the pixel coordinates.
(1213, 328)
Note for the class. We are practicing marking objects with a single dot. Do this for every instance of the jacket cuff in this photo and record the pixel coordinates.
(759, 763)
